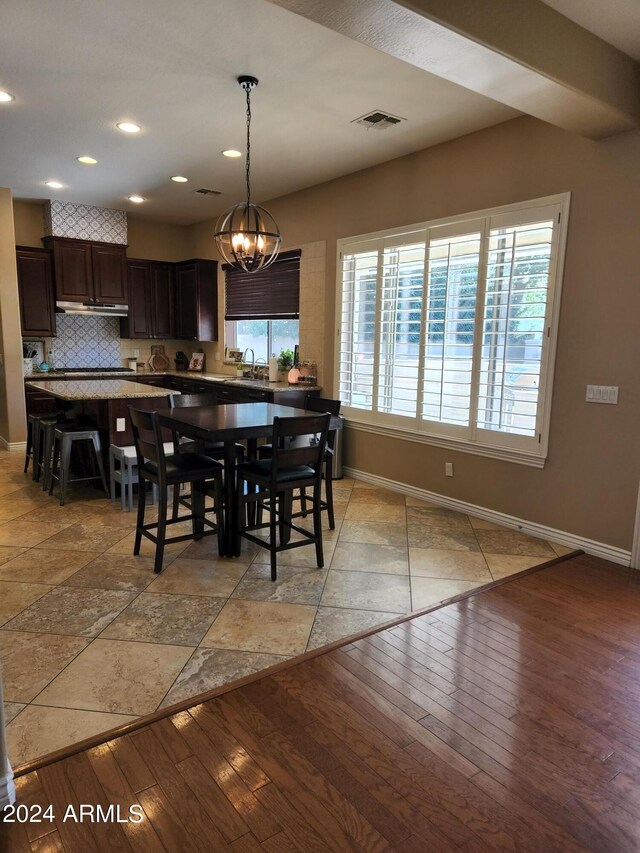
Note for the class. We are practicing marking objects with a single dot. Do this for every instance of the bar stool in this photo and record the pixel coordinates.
(123, 469)
(34, 445)
(63, 439)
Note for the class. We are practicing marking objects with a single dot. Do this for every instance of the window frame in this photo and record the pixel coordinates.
(473, 439)
(230, 334)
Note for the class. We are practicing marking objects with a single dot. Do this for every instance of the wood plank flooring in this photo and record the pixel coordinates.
(506, 721)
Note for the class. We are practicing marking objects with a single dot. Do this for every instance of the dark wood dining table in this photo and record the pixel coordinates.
(230, 424)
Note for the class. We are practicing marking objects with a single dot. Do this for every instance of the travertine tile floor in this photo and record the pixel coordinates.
(90, 638)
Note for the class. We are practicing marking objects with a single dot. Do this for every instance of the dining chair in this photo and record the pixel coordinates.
(213, 449)
(320, 405)
(296, 462)
(164, 470)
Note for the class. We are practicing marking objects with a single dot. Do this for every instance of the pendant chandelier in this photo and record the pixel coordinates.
(247, 236)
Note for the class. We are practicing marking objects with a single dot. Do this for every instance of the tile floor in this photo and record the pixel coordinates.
(90, 638)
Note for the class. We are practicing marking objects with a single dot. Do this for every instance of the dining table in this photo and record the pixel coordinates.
(230, 424)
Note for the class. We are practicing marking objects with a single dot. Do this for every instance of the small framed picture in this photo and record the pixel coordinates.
(197, 361)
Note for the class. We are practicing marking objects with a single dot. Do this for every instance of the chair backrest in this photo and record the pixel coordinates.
(147, 438)
(322, 404)
(181, 401)
(299, 441)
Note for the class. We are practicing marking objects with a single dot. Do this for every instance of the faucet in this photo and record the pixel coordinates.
(256, 372)
(253, 359)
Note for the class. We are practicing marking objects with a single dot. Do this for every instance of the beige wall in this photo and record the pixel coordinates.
(12, 408)
(590, 481)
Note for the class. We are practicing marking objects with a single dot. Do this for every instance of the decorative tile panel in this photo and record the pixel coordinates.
(84, 222)
(86, 341)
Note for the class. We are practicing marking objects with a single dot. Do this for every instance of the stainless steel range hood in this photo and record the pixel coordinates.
(92, 309)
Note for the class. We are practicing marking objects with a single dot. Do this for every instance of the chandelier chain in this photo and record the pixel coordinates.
(247, 89)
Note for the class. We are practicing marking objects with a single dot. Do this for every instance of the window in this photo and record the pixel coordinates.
(446, 331)
(262, 309)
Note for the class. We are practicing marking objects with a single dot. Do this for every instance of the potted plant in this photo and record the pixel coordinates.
(285, 360)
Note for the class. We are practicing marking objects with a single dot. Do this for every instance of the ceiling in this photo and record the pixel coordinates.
(614, 21)
(76, 68)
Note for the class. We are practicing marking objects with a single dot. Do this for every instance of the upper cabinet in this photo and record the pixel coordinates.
(88, 272)
(35, 288)
(197, 300)
(151, 300)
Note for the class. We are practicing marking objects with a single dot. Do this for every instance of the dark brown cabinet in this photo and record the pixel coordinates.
(88, 272)
(197, 300)
(35, 289)
(151, 300)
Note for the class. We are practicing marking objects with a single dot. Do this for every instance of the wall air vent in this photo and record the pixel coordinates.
(205, 191)
(378, 120)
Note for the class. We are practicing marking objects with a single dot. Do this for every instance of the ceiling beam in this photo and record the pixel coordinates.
(519, 52)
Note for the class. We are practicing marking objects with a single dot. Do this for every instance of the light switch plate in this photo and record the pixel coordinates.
(120, 425)
(602, 394)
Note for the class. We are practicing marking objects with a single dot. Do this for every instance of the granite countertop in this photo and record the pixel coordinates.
(131, 376)
(99, 389)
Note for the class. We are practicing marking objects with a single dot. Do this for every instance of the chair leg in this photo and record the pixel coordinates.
(161, 530)
(98, 449)
(217, 496)
(198, 503)
(65, 465)
(29, 446)
(46, 439)
(35, 440)
(317, 523)
(303, 501)
(55, 464)
(328, 485)
(112, 477)
(272, 537)
(130, 482)
(140, 520)
(124, 484)
(176, 501)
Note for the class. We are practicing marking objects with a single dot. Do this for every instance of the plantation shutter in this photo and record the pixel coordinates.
(269, 294)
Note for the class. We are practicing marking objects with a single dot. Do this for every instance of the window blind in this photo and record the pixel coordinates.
(269, 294)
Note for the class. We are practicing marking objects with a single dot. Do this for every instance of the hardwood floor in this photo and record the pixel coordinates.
(506, 721)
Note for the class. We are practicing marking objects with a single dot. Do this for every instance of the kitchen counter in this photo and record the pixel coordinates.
(258, 384)
(57, 375)
(99, 389)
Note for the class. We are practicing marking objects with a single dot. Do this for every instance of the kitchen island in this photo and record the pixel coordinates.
(103, 403)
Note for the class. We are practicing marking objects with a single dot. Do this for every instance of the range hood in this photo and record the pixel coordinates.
(92, 309)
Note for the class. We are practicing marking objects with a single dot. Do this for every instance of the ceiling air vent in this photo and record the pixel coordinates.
(378, 120)
(205, 191)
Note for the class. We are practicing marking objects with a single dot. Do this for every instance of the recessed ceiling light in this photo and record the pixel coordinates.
(55, 185)
(5, 96)
(179, 179)
(128, 127)
(89, 161)
(136, 199)
(231, 152)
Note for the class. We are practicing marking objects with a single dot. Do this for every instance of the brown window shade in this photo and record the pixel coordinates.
(269, 294)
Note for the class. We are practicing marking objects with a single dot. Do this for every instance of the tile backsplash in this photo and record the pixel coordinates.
(86, 341)
(84, 222)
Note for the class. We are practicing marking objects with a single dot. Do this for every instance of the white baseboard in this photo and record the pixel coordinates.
(571, 540)
(13, 446)
(7, 790)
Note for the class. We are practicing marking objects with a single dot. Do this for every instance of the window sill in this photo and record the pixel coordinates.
(505, 454)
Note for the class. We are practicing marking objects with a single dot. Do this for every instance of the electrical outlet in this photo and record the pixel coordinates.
(602, 394)
(136, 353)
(120, 425)
(448, 469)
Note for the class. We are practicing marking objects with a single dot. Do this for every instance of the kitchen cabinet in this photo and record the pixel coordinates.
(88, 272)
(151, 300)
(197, 300)
(35, 290)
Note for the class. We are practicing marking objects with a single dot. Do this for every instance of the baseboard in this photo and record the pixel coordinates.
(571, 540)
(13, 446)
(7, 791)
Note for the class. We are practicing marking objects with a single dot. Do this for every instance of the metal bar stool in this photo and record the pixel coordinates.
(63, 439)
(35, 424)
